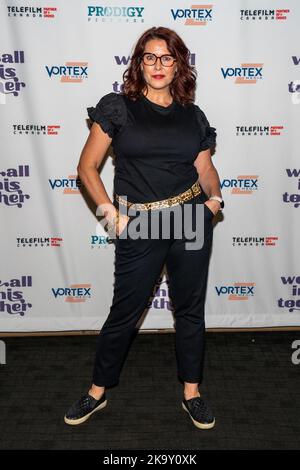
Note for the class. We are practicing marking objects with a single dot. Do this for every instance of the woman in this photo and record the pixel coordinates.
(162, 146)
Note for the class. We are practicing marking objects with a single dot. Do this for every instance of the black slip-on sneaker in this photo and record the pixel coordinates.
(199, 411)
(83, 408)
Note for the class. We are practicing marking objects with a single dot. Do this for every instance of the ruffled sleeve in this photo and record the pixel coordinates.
(207, 131)
(110, 112)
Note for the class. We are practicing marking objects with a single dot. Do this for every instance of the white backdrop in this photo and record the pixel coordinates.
(58, 59)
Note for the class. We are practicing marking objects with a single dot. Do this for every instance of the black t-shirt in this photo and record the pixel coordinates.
(155, 146)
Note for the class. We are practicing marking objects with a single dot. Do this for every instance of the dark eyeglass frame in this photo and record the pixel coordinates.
(158, 57)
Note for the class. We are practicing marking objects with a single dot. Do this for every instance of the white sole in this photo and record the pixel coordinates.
(196, 423)
(84, 418)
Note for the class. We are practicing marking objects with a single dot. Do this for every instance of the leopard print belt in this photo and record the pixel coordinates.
(193, 191)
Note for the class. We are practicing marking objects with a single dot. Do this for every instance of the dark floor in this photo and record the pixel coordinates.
(250, 383)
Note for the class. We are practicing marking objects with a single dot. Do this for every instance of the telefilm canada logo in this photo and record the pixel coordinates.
(38, 242)
(252, 241)
(265, 15)
(236, 291)
(12, 294)
(292, 285)
(35, 129)
(292, 198)
(117, 13)
(76, 293)
(10, 83)
(30, 12)
(195, 15)
(257, 130)
(69, 185)
(11, 192)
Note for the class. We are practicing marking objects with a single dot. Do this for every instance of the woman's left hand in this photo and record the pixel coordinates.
(213, 205)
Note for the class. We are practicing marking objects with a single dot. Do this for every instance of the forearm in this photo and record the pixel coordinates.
(94, 185)
(210, 182)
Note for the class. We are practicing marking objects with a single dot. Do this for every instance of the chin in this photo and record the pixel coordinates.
(160, 84)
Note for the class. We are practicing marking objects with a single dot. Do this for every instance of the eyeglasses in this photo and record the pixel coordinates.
(165, 60)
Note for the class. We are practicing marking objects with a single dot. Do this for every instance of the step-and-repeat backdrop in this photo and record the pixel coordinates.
(57, 59)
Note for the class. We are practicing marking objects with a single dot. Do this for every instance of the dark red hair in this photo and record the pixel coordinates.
(183, 85)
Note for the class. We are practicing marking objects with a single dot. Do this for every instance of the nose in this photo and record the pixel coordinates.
(157, 65)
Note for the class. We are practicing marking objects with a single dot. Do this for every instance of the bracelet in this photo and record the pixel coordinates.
(219, 199)
(115, 221)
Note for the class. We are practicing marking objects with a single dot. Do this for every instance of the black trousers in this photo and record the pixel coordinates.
(138, 265)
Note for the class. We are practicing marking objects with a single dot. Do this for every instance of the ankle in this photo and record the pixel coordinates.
(96, 392)
(191, 394)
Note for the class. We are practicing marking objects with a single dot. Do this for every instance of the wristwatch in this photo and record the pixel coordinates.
(219, 199)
